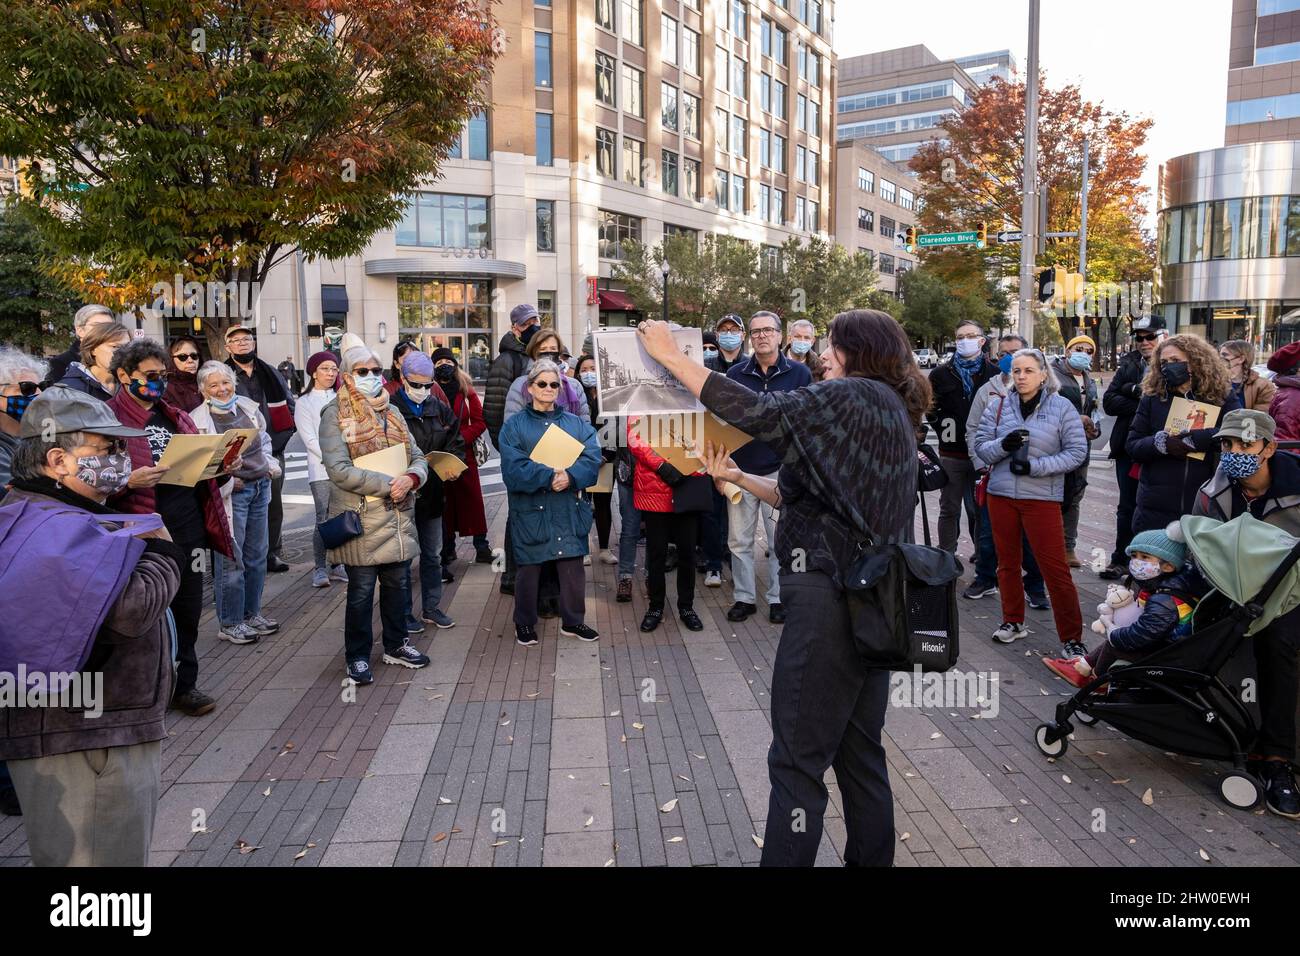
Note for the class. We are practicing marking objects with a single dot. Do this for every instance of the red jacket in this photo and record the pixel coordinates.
(649, 491)
(463, 510)
(1285, 408)
(143, 500)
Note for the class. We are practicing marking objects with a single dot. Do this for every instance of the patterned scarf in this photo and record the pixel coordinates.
(368, 424)
(967, 368)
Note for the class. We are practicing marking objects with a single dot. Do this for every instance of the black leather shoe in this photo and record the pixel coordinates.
(740, 610)
(1112, 573)
(447, 576)
(484, 556)
(776, 613)
(652, 619)
(690, 619)
(275, 565)
(507, 585)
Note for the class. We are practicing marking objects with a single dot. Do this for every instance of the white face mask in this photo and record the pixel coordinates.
(1143, 570)
(968, 348)
(369, 385)
(417, 393)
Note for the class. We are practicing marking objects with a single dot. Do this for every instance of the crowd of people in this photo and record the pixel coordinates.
(835, 435)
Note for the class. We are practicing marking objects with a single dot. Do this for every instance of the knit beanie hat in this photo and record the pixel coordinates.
(316, 360)
(442, 353)
(1081, 340)
(1167, 545)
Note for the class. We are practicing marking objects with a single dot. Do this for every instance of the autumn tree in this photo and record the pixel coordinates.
(35, 308)
(211, 138)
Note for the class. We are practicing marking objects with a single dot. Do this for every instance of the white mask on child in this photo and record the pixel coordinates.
(1143, 570)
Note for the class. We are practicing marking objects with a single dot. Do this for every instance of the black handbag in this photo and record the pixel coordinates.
(692, 494)
(342, 528)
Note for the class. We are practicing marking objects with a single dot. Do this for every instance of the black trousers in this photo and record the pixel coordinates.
(828, 710)
(187, 608)
(682, 530)
(275, 512)
(600, 505)
(1128, 496)
(572, 592)
(1276, 649)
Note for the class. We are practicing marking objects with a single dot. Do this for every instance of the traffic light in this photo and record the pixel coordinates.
(909, 239)
(1051, 284)
(1070, 288)
(982, 234)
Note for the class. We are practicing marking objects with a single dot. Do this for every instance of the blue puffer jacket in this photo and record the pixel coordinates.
(1056, 445)
(547, 525)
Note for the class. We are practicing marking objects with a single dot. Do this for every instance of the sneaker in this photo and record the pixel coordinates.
(776, 613)
(193, 703)
(608, 557)
(407, 656)
(1009, 632)
(690, 619)
(581, 631)
(740, 610)
(653, 616)
(1038, 602)
(413, 626)
(624, 590)
(239, 634)
(447, 576)
(713, 579)
(483, 556)
(525, 635)
(1113, 573)
(978, 590)
(1072, 560)
(1074, 649)
(359, 672)
(262, 625)
(320, 578)
(586, 560)
(339, 573)
(1279, 789)
(1066, 669)
(438, 618)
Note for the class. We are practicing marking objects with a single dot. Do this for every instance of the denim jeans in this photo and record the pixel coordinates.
(394, 599)
(986, 559)
(629, 531)
(320, 494)
(429, 532)
(742, 535)
(237, 585)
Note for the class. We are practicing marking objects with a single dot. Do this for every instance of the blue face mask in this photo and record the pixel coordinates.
(800, 348)
(729, 340)
(224, 406)
(1238, 464)
(588, 379)
(1004, 363)
(1080, 361)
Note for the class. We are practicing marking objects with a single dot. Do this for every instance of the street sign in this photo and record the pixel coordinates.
(948, 239)
(1008, 235)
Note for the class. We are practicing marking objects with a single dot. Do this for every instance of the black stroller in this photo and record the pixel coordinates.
(1180, 698)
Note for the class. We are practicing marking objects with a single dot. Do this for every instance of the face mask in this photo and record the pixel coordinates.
(1004, 363)
(1080, 361)
(729, 340)
(800, 348)
(588, 379)
(417, 393)
(968, 348)
(549, 357)
(444, 373)
(146, 391)
(1143, 570)
(1175, 374)
(107, 474)
(1238, 464)
(15, 405)
(247, 357)
(224, 406)
(528, 333)
(368, 385)
(710, 353)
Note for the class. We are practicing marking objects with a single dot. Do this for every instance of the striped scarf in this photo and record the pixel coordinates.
(368, 425)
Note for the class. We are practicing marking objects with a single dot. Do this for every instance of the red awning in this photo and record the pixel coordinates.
(615, 301)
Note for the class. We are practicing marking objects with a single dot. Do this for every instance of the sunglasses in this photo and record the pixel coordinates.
(376, 370)
(25, 388)
(186, 356)
(547, 384)
(1145, 337)
(152, 376)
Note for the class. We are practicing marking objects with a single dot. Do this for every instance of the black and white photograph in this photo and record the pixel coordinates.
(630, 382)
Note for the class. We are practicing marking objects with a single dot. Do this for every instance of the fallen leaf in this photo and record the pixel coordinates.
(1007, 768)
(1131, 840)
(638, 726)
(614, 713)
(530, 697)
(499, 843)
(455, 830)
(681, 776)
(697, 756)
(331, 757)
(936, 735)
(758, 841)
(669, 807)
(1147, 798)
(245, 848)
(590, 821)
(266, 792)
(300, 854)
(1066, 778)
(610, 861)
(676, 839)
(906, 836)
(1204, 856)
(1122, 780)
(1043, 692)
(622, 738)
(439, 837)
(1015, 819)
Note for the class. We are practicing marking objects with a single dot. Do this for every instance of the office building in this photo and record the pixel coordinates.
(875, 202)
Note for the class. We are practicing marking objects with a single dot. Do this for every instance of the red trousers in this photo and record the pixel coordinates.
(1040, 522)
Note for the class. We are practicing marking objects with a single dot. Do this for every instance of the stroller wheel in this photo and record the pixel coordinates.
(1240, 791)
(1048, 743)
(1086, 719)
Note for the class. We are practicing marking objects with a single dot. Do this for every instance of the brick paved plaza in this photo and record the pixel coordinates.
(641, 750)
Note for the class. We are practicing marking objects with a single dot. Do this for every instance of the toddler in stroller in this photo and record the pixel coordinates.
(1167, 588)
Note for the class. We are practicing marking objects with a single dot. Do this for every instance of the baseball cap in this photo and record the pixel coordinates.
(240, 328)
(523, 313)
(1149, 323)
(72, 411)
(731, 317)
(1247, 424)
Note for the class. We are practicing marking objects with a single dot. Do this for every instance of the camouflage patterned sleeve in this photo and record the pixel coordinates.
(765, 416)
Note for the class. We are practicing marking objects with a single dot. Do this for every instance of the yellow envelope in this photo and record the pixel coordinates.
(445, 465)
(392, 461)
(557, 448)
(604, 480)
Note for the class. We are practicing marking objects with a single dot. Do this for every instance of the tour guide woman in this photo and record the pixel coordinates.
(550, 516)
(850, 436)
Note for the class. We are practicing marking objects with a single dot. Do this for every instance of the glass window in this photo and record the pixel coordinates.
(800, 208)
(721, 71)
(1268, 8)
(764, 201)
(738, 187)
(478, 136)
(633, 91)
(1279, 53)
(802, 59)
(887, 227)
(814, 69)
(739, 136)
(866, 219)
(669, 177)
(765, 148)
(765, 36)
(605, 72)
(780, 96)
(1272, 228)
(546, 225)
(801, 112)
(885, 264)
(545, 140)
(800, 162)
(691, 115)
(1292, 226)
(541, 59)
(605, 140)
(668, 39)
(1225, 235)
(671, 230)
(1171, 224)
(455, 222)
(408, 230)
(814, 218)
(779, 42)
(721, 188)
(739, 78)
(866, 180)
(778, 152)
(906, 198)
(778, 206)
(615, 229)
(738, 19)
(814, 175)
(631, 12)
(605, 14)
(765, 92)
(888, 191)
(690, 51)
(721, 128)
(691, 178)
(814, 118)
(668, 105)
(633, 154)
(1196, 233)
(546, 308)
(442, 220)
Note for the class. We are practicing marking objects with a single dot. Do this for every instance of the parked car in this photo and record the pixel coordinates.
(926, 358)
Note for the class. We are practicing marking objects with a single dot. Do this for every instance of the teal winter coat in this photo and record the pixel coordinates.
(547, 525)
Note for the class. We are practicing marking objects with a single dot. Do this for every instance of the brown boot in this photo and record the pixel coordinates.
(624, 595)
(1072, 560)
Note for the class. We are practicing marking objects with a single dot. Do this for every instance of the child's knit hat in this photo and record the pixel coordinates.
(1168, 545)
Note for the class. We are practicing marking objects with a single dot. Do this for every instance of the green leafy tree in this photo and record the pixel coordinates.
(818, 280)
(707, 279)
(210, 138)
(930, 311)
(35, 308)
(882, 301)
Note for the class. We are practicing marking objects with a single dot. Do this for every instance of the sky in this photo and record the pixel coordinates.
(1166, 59)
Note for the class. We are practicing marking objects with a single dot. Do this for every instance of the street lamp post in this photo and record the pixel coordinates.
(665, 269)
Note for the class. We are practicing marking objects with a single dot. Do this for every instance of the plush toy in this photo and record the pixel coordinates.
(1120, 610)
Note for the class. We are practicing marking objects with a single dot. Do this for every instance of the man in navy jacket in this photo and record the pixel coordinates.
(766, 370)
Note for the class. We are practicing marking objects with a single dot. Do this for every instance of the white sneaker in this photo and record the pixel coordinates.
(608, 557)
(1008, 633)
(262, 625)
(239, 634)
(713, 579)
(320, 578)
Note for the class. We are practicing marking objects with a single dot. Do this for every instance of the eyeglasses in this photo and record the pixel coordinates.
(24, 388)
(1085, 350)
(1145, 337)
(758, 333)
(153, 376)
(547, 384)
(115, 447)
(186, 356)
(376, 370)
